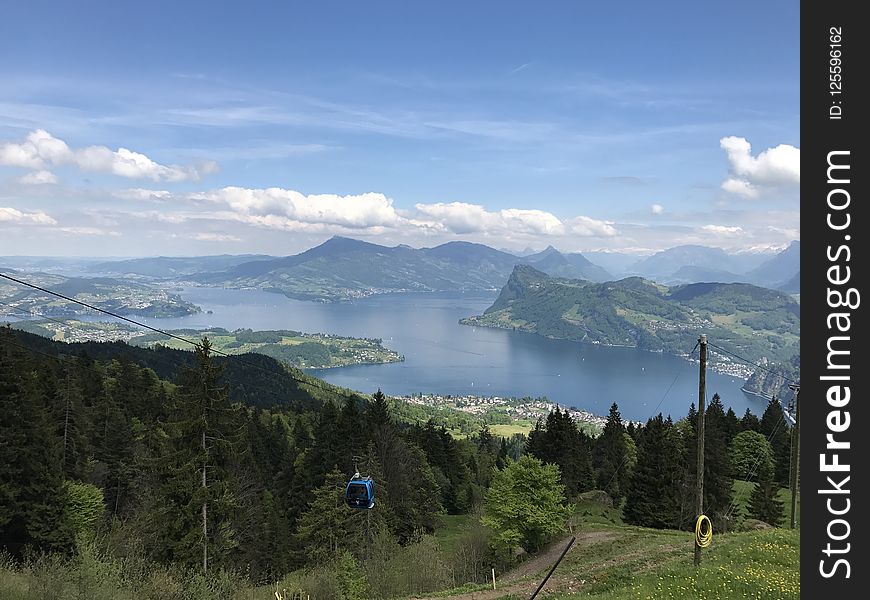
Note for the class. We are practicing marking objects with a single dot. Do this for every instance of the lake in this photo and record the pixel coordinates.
(444, 357)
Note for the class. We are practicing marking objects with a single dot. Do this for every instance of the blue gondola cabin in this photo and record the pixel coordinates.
(360, 492)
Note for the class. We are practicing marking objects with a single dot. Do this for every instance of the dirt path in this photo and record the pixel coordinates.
(520, 581)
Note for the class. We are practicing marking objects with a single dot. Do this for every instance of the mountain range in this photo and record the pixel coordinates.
(161, 267)
(694, 264)
(343, 268)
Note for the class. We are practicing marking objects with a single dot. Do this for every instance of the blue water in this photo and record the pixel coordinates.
(442, 356)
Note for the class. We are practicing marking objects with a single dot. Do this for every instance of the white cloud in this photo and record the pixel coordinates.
(40, 149)
(589, 227)
(13, 215)
(723, 230)
(657, 209)
(38, 178)
(87, 231)
(353, 211)
(456, 217)
(740, 187)
(365, 214)
(532, 221)
(142, 195)
(216, 237)
(773, 168)
(462, 218)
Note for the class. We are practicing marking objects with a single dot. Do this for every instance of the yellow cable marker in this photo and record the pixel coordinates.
(703, 538)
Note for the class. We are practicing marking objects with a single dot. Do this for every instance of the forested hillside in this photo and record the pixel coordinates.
(216, 471)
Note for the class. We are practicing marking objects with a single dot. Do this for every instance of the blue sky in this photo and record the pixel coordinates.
(209, 127)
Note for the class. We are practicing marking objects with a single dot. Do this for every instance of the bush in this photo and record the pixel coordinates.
(84, 507)
(525, 505)
(751, 455)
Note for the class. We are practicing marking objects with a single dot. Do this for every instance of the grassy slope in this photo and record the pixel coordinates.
(609, 561)
(613, 561)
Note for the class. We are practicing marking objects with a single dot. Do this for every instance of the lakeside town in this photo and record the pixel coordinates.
(518, 409)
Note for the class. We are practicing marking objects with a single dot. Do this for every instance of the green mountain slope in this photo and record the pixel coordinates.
(744, 319)
(342, 268)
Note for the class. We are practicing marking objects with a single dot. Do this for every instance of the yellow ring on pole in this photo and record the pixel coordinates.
(703, 539)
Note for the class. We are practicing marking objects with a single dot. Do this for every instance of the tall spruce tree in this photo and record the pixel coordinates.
(328, 526)
(749, 422)
(610, 457)
(559, 442)
(197, 489)
(731, 425)
(775, 428)
(653, 499)
(764, 503)
(718, 479)
(32, 498)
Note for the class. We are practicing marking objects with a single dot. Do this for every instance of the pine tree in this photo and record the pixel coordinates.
(774, 427)
(352, 432)
(653, 499)
(731, 425)
(559, 442)
(749, 422)
(196, 496)
(718, 480)
(32, 498)
(536, 443)
(610, 457)
(764, 503)
(328, 526)
(377, 411)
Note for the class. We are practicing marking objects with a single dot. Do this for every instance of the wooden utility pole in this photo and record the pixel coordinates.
(699, 479)
(795, 451)
(204, 481)
(204, 509)
(66, 419)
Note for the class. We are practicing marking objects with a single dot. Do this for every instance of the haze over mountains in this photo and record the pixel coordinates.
(342, 268)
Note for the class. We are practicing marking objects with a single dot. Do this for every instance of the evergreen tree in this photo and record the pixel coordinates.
(328, 526)
(559, 442)
(536, 443)
(610, 457)
(731, 425)
(653, 499)
(764, 503)
(749, 422)
(328, 450)
(377, 411)
(32, 497)
(196, 495)
(775, 428)
(352, 432)
(634, 431)
(501, 460)
(718, 481)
